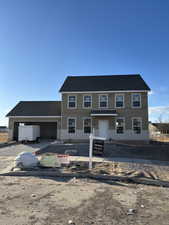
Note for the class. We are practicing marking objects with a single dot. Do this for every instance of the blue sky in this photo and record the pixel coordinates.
(43, 41)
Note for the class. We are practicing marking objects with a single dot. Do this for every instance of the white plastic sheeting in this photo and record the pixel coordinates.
(26, 160)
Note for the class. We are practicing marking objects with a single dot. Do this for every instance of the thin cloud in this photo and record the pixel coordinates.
(157, 112)
(159, 109)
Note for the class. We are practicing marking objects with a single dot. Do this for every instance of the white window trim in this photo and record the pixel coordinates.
(124, 125)
(136, 107)
(138, 118)
(83, 125)
(83, 102)
(68, 125)
(75, 102)
(107, 101)
(123, 101)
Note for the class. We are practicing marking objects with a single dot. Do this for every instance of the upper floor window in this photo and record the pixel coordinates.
(136, 122)
(120, 125)
(136, 100)
(87, 126)
(87, 101)
(103, 101)
(71, 125)
(72, 101)
(119, 101)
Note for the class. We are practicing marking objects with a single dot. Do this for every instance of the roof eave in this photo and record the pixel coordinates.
(112, 91)
(34, 116)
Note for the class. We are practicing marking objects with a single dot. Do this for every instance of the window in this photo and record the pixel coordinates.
(137, 125)
(119, 101)
(71, 101)
(136, 100)
(87, 101)
(87, 125)
(103, 101)
(71, 125)
(120, 125)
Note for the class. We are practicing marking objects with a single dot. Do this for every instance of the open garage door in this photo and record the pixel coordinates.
(48, 130)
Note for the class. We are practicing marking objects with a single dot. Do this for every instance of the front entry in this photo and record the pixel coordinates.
(103, 128)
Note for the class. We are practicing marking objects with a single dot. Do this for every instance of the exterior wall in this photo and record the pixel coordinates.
(80, 113)
(22, 120)
(127, 112)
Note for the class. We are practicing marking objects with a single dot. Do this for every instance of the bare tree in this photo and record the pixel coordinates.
(160, 119)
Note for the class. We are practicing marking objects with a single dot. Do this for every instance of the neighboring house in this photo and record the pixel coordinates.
(3, 129)
(114, 106)
(158, 128)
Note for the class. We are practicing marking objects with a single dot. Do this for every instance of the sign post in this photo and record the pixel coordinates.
(90, 150)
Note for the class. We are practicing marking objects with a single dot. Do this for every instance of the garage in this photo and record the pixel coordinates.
(48, 130)
(46, 114)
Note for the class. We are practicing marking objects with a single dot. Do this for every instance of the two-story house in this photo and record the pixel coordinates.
(114, 106)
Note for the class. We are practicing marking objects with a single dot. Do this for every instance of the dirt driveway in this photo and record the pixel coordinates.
(8, 153)
(148, 152)
(37, 201)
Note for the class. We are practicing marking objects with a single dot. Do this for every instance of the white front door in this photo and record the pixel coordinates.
(103, 128)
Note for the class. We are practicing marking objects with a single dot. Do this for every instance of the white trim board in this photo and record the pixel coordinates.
(34, 116)
(103, 114)
(120, 91)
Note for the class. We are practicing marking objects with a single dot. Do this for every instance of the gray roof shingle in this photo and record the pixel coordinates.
(104, 83)
(36, 108)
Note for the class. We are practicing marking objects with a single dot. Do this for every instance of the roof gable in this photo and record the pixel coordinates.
(104, 83)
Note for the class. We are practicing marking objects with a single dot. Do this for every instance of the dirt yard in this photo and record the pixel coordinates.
(58, 201)
(38, 201)
(3, 137)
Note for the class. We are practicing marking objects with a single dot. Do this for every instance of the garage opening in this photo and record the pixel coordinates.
(48, 130)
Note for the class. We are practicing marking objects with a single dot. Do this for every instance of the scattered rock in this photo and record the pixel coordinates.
(73, 180)
(17, 169)
(131, 211)
(33, 195)
(71, 222)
